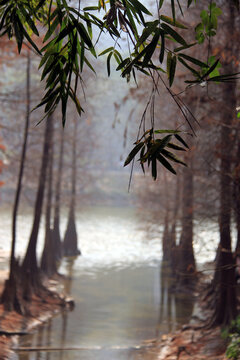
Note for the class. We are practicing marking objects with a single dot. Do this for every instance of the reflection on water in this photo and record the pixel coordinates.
(174, 306)
(122, 295)
(116, 310)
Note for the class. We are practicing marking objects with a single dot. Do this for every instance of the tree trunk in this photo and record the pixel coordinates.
(48, 262)
(236, 197)
(10, 297)
(172, 235)
(56, 226)
(186, 260)
(31, 277)
(166, 246)
(224, 283)
(70, 243)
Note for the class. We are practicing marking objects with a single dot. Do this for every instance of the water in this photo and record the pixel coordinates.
(116, 310)
(122, 295)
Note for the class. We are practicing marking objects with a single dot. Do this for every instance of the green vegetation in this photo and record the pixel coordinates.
(233, 335)
(157, 46)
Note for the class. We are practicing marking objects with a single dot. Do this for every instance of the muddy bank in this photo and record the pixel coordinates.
(188, 345)
(13, 325)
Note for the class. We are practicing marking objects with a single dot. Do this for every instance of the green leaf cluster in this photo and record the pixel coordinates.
(233, 335)
(18, 19)
(208, 26)
(153, 150)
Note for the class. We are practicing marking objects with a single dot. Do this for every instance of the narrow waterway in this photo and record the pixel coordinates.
(122, 295)
(116, 310)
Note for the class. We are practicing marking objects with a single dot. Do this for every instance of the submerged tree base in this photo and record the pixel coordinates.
(40, 307)
(23, 288)
(70, 243)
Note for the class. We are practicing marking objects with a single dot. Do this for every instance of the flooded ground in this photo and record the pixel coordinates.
(121, 295)
(116, 310)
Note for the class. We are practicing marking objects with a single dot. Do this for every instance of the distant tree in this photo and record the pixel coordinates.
(57, 204)
(70, 242)
(11, 297)
(186, 266)
(48, 259)
(31, 281)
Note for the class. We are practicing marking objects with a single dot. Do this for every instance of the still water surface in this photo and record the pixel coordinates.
(122, 296)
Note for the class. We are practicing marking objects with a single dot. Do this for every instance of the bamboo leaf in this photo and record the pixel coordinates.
(193, 60)
(195, 73)
(180, 48)
(28, 19)
(106, 51)
(133, 153)
(166, 164)
(154, 168)
(175, 147)
(170, 31)
(108, 63)
(172, 157)
(180, 139)
(140, 7)
(160, 3)
(170, 21)
(211, 69)
(84, 34)
(162, 51)
(172, 70)
(148, 30)
(173, 10)
(141, 156)
(166, 131)
(169, 59)
(151, 48)
(51, 29)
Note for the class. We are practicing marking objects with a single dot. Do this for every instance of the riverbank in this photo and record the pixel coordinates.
(185, 344)
(188, 344)
(14, 325)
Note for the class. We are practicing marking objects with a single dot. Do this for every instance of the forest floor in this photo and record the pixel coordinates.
(187, 343)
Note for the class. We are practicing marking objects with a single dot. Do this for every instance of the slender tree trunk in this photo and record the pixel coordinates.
(172, 236)
(31, 279)
(10, 296)
(186, 260)
(166, 246)
(70, 243)
(56, 226)
(48, 261)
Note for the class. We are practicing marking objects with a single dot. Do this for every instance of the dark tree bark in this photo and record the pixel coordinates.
(70, 242)
(236, 197)
(11, 297)
(31, 274)
(224, 282)
(186, 260)
(56, 226)
(48, 261)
